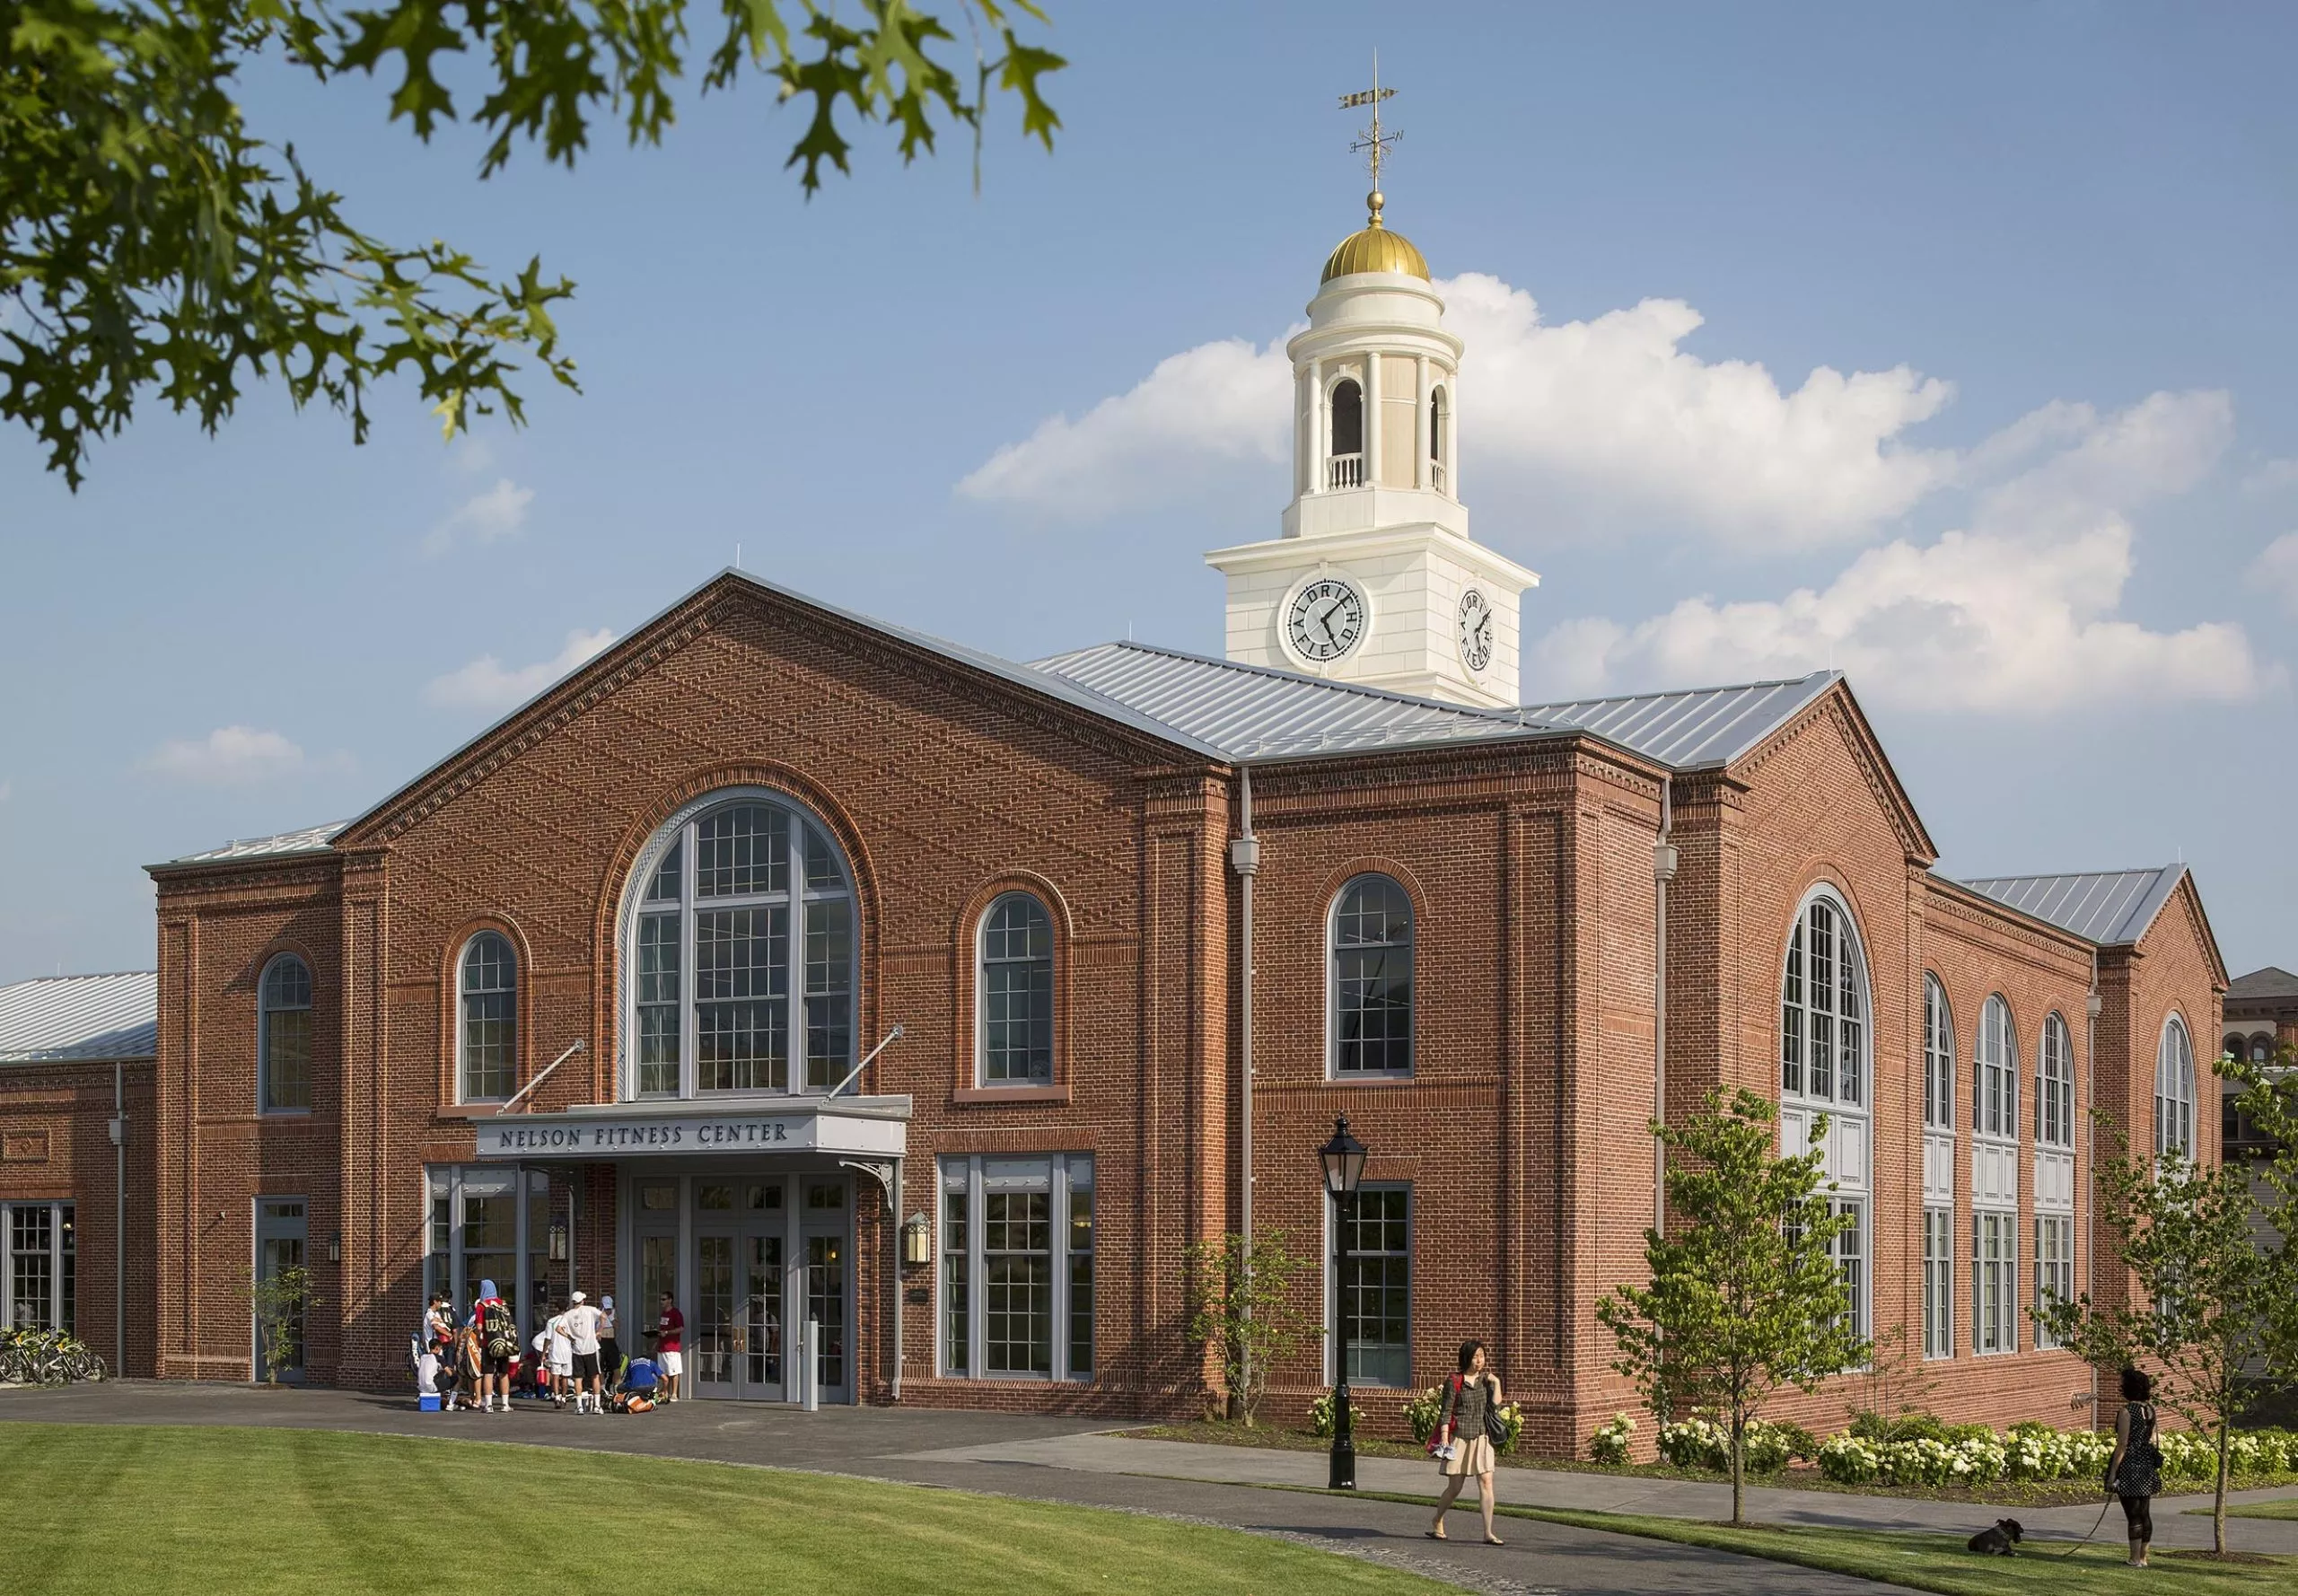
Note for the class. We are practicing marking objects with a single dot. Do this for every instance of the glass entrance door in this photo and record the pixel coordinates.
(759, 1334)
(710, 1335)
(826, 1295)
(280, 1235)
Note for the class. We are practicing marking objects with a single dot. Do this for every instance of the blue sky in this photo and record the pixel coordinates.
(1950, 347)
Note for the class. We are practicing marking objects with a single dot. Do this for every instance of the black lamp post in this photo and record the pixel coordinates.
(1344, 1161)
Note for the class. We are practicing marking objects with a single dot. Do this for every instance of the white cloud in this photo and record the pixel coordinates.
(1217, 404)
(484, 517)
(486, 683)
(2015, 615)
(227, 756)
(2276, 570)
(1612, 410)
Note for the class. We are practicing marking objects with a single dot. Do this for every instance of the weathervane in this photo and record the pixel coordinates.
(1372, 143)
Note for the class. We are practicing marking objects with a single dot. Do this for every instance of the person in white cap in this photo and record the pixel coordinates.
(610, 1349)
(581, 1321)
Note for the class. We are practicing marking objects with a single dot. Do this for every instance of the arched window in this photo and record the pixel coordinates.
(2261, 1049)
(1015, 993)
(487, 1039)
(2174, 1092)
(1371, 1000)
(1995, 1101)
(1439, 412)
(739, 953)
(1938, 1056)
(2235, 1048)
(2055, 1086)
(1348, 425)
(283, 1063)
(1823, 1008)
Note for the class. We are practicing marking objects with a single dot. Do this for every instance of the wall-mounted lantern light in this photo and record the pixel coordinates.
(559, 1240)
(917, 1240)
(334, 1248)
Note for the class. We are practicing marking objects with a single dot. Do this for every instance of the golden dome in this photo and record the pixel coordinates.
(1374, 249)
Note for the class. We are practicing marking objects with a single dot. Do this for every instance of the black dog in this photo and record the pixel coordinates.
(1998, 1541)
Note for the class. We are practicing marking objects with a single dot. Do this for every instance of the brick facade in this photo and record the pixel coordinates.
(1522, 1132)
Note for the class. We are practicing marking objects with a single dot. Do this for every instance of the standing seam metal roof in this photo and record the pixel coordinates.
(310, 839)
(80, 1017)
(1704, 727)
(2112, 907)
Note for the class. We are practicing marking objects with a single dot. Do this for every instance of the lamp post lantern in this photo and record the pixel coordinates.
(1344, 1170)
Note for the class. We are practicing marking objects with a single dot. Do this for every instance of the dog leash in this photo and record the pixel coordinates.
(2071, 1551)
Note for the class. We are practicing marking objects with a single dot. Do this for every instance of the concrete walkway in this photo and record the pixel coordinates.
(1610, 1493)
(1043, 1458)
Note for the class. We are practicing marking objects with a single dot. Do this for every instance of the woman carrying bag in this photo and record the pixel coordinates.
(2133, 1473)
(1463, 1443)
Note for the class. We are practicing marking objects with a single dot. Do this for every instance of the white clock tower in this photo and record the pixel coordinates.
(1373, 578)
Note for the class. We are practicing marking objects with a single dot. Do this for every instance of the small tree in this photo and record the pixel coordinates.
(1241, 1300)
(2210, 1291)
(2269, 1102)
(1896, 1381)
(279, 1301)
(1745, 1294)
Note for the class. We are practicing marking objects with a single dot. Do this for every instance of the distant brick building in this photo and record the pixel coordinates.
(734, 853)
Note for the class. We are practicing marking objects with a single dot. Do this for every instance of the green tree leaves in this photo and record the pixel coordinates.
(1745, 1294)
(151, 244)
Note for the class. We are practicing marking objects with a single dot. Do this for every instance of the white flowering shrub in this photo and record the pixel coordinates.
(1609, 1444)
(1702, 1443)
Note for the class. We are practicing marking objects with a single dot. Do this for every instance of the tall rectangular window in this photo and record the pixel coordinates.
(1995, 1283)
(1938, 1283)
(41, 1258)
(1373, 1295)
(2054, 1269)
(1851, 1262)
(1017, 1267)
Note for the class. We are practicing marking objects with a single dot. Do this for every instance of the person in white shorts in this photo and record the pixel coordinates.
(672, 1346)
(582, 1322)
(562, 1360)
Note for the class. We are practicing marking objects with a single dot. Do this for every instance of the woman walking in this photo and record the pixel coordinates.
(1463, 1446)
(2134, 1472)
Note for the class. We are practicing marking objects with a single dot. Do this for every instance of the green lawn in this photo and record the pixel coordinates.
(116, 1511)
(1940, 1562)
(2287, 1509)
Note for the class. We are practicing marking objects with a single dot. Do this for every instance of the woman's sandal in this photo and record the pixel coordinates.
(1435, 1534)
(1493, 1540)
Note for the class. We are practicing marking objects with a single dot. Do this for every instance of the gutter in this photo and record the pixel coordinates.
(1664, 871)
(1244, 858)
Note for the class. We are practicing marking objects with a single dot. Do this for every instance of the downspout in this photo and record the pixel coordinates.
(1664, 871)
(2091, 1006)
(1244, 858)
(119, 1220)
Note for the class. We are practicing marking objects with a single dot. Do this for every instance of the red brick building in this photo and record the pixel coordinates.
(911, 986)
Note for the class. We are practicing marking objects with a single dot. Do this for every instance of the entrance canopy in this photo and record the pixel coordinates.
(871, 1127)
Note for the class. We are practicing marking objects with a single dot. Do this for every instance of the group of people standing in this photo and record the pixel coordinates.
(578, 1354)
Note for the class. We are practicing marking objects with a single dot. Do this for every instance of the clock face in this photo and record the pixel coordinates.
(1326, 618)
(1476, 630)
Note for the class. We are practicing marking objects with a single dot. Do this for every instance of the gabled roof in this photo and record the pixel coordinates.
(310, 839)
(1704, 728)
(2263, 986)
(2111, 907)
(80, 1017)
(1252, 712)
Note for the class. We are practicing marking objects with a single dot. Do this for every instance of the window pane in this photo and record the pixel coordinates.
(1081, 1267)
(823, 873)
(1376, 1286)
(1372, 978)
(31, 1279)
(287, 1059)
(1017, 1263)
(830, 991)
(741, 975)
(658, 1003)
(1017, 992)
(743, 850)
(956, 1331)
(664, 887)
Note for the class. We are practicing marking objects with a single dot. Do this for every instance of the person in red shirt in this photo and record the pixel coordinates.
(670, 1331)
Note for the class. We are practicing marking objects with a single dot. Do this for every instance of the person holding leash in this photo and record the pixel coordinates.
(1462, 1442)
(2133, 1473)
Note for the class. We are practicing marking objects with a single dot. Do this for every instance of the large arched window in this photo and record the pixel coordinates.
(2174, 1092)
(486, 1038)
(1995, 1080)
(2055, 1086)
(1824, 1069)
(1347, 465)
(1938, 1056)
(1823, 1008)
(1371, 997)
(1015, 993)
(283, 1047)
(739, 954)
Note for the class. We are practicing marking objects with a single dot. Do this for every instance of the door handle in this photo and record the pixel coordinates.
(741, 1342)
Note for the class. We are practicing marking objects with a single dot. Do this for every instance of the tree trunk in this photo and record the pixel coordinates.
(1739, 1455)
(2218, 1508)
